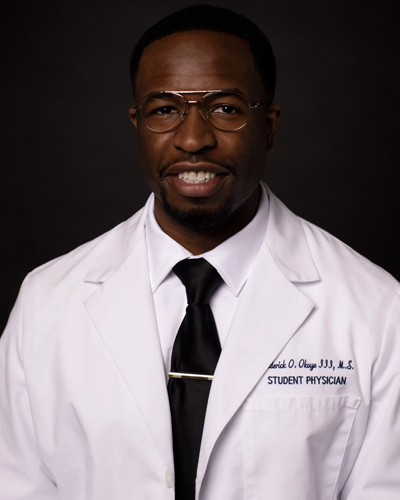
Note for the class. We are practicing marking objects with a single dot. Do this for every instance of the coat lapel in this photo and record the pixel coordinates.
(270, 311)
(122, 310)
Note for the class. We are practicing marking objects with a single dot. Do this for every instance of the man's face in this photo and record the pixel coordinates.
(203, 60)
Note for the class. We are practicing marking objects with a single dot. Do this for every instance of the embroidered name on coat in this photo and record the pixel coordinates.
(305, 364)
(313, 380)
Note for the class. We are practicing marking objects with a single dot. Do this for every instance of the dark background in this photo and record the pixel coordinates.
(68, 153)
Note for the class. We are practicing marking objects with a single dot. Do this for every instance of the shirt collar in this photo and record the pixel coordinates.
(233, 258)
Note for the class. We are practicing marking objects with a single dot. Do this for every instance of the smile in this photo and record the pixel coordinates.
(197, 183)
(196, 177)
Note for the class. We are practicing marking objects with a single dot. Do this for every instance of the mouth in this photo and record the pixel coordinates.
(192, 177)
(196, 179)
(195, 173)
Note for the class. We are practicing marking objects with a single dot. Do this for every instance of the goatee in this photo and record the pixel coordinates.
(197, 218)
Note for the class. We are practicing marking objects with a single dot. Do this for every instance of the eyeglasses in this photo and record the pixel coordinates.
(164, 111)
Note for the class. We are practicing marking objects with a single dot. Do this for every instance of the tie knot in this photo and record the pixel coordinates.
(200, 279)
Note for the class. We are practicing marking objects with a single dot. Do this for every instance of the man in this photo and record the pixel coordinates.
(110, 389)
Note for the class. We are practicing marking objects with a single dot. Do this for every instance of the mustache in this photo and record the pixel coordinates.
(229, 164)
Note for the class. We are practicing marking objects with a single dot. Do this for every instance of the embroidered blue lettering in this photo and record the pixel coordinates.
(309, 366)
(324, 380)
(292, 380)
(277, 364)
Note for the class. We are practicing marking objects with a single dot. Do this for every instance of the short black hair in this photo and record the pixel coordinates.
(210, 18)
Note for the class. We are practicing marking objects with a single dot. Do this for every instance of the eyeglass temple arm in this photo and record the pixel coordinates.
(258, 104)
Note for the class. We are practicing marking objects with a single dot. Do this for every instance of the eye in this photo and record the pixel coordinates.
(165, 110)
(225, 109)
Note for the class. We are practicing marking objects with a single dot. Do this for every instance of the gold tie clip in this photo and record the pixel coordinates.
(190, 375)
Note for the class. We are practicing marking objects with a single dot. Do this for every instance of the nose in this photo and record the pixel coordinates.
(195, 133)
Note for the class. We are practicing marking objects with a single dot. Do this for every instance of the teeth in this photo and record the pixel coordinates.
(196, 177)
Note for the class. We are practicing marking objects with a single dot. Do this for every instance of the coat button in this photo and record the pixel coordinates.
(168, 479)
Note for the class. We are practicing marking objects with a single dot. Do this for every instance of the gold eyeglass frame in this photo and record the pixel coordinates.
(203, 113)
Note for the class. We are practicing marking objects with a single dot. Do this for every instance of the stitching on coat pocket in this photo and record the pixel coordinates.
(300, 403)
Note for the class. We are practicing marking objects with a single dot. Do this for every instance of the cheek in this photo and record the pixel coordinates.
(250, 154)
(256, 147)
(249, 149)
(150, 154)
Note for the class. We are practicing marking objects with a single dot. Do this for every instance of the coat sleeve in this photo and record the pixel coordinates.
(22, 475)
(376, 473)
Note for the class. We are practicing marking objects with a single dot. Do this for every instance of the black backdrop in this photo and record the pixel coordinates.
(68, 154)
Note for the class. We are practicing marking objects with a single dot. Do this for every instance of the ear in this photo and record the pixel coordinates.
(133, 116)
(274, 113)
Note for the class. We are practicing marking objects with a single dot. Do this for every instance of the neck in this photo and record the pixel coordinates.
(200, 241)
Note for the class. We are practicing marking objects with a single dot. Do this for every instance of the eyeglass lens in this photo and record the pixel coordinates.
(225, 110)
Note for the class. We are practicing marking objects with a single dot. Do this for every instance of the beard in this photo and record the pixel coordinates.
(197, 218)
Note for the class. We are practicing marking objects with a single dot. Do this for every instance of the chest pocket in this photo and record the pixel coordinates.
(294, 447)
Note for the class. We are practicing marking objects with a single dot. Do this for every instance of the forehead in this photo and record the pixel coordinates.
(198, 60)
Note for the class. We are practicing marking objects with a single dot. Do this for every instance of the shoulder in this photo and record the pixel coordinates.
(307, 253)
(67, 272)
(338, 262)
(352, 288)
(328, 269)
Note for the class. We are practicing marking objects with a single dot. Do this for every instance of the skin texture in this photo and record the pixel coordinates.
(204, 60)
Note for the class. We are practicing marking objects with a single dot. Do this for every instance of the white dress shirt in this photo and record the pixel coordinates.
(233, 259)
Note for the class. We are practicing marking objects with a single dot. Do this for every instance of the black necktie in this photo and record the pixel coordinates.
(196, 351)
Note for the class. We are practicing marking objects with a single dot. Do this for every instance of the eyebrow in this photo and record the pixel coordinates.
(234, 89)
(156, 95)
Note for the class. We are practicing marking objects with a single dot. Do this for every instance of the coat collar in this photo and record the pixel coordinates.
(288, 244)
(121, 245)
(285, 238)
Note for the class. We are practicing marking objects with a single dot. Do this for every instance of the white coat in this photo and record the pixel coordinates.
(305, 403)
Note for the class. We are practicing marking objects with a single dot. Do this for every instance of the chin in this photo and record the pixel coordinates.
(198, 218)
